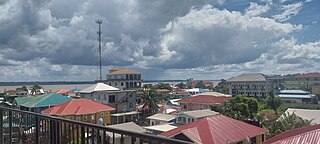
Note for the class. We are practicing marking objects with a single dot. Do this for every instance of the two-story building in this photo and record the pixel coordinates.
(249, 84)
(121, 100)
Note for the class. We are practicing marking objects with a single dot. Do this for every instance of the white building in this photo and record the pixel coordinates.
(121, 100)
(297, 96)
(159, 118)
(124, 78)
(191, 116)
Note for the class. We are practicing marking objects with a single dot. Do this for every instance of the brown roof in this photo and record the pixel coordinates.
(122, 71)
(309, 75)
(248, 77)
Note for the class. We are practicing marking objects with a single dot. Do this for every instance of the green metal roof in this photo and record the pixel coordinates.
(42, 100)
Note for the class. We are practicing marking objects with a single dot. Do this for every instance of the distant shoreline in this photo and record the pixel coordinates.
(77, 82)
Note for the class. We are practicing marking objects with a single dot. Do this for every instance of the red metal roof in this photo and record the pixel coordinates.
(309, 75)
(204, 99)
(216, 129)
(307, 135)
(77, 107)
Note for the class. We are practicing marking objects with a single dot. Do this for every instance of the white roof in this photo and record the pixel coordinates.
(174, 101)
(213, 93)
(99, 87)
(294, 92)
(162, 127)
(125, 113)
(199, 113)
(196, 90)
(306, 114)
(130, 126)
(162, 117)
(295, 96)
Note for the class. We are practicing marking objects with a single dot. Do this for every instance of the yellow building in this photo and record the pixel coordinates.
(82, 110)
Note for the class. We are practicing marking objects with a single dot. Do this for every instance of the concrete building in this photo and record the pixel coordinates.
(121, 100)
(118, 138)
(159, 118)
(82, 110)
(249, 84)
(124, 78)
(297, 96)
(191, 116)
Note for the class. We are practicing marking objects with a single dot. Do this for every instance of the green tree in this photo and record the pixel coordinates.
(240, 107)
(189, 83)
(200, 84)
(23, 88)
(150, 100)
(181, 85)
(164, 86)
(147, 86)
(273, 102)
(287, 122)
(34, 89)
(222, 87)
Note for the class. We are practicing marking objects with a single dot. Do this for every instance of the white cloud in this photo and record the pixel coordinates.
(289, 11)
(255, 9)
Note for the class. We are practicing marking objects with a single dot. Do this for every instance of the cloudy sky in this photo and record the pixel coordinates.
(53, 40)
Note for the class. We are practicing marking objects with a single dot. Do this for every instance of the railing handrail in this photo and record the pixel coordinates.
(100, 127)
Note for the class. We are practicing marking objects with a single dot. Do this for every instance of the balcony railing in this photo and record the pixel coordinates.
(32, 128)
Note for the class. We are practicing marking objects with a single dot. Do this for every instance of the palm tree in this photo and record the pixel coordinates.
(287, 122)
(150, 100)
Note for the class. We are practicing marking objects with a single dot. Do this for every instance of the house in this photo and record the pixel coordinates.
(249, 84)
(159, 118)
(82, 110)
(10, 95)
(202, 101)
(179, 95)
(195, 91)
(130, 126)
(306, 135)
(307, 114)
(40, 102)
(121, 100)
(158, 129)
(297, 96)
(191, 116)
(124, 78)
(217, 129)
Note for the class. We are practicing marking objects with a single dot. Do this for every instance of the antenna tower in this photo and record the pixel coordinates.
(99, 32)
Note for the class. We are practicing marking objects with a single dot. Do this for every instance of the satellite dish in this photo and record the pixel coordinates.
(100, 121)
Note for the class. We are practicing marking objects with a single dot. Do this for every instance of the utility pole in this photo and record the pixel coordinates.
(99, 22)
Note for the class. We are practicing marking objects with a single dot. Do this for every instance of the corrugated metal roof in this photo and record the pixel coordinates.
(248, 77)
(43, 100)
(217, 129)
(305, 135)
(162, 117)
(77, 107)
(204, 99)
(98, 87)
(199, 113)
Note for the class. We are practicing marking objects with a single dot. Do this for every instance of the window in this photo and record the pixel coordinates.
(112, 99)
(184, 119)
(121, 83)
(189, 120)
(130, 105)
(115, 84)
(184, 106)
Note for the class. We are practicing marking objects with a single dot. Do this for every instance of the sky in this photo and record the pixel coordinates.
(56, 40)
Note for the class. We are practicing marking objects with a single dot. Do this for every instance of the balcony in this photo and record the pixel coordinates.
(33, 128)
